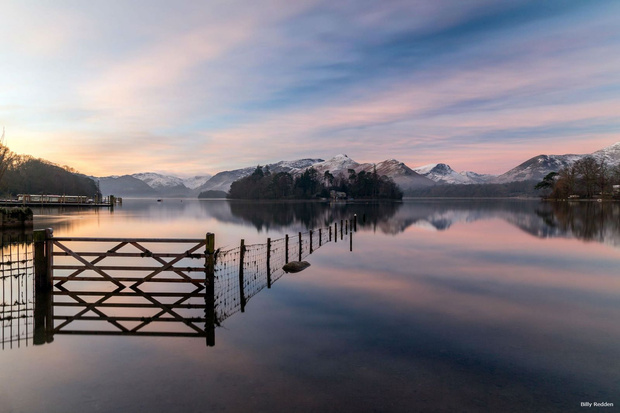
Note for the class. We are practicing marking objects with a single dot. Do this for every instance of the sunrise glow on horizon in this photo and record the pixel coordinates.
(112, 88)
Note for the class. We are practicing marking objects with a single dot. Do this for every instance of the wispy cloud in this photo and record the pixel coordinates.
(189, 88)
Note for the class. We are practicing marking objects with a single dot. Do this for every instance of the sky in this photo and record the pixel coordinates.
(193, 87)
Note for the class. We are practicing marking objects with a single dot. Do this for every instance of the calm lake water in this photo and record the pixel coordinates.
(442, 306)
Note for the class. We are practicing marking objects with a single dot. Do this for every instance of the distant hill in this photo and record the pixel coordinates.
(150, 184)
(222, 180)
(28, 175)
(126, 185)
(441, 173)
(410, 180)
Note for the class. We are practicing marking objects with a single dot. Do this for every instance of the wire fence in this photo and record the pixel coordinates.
(17, 285)
(239, 274)
(242, 272)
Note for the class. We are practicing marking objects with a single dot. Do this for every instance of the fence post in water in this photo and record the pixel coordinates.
(300, 246)
(335, 232)
(341, 228)
(210, 289)
(43, 281)
(351, 241)
(268, 263)
(346, 227)
(330, 233)
(355, 222)
(286, 249)
(320, 240)
(241, 292)
(310, 242)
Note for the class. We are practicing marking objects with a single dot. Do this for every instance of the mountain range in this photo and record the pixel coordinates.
(157, 185)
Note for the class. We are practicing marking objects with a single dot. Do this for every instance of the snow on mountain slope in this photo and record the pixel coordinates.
(443, 174)
(405, 177)
(195, 181)
(222, 180)
(157, 181)
(610, 154)
(537, 168)
(336, 165)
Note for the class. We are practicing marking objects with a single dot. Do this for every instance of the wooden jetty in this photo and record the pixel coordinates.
(62, 201)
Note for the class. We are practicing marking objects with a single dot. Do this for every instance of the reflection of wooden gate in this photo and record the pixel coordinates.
(132, 285)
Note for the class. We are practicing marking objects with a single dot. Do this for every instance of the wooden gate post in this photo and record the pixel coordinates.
(268, 262)
(210, 289)
(241, 292)
(43, 259)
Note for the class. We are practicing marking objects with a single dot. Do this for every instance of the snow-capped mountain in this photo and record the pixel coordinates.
(196, 181)
(153, 184)
(158, 181)
(610, 155)
(338, 164)
(442, 173)
(405, 177)
(222, 180)
(537, 168)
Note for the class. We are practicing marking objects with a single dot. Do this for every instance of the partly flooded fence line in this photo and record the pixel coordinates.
(72, 284)
(17, 307)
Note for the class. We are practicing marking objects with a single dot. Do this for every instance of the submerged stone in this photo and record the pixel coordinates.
(296, 266)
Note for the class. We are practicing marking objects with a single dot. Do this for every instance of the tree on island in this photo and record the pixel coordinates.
(310, 184)
(586, 178)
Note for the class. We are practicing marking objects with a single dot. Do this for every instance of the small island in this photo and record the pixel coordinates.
(310, 184)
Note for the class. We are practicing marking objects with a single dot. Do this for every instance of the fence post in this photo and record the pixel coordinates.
(355, 222)
(43, 259)
(268, 263)
(341, 229)
(330, 233)
(335, 232)
(310, 242)
(286, 248)
(320, 240)
(300, 246)
(210, 289)
(351, 241)
(241, 292)
(346, 227)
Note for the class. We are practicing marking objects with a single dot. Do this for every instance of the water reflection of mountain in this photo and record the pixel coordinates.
(308, 215)
(591, 221)
(588, 221)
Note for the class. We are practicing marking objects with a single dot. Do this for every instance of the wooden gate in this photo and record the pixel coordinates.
(135, 285)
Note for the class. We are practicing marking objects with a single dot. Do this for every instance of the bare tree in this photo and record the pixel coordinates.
(588, 171)
(6, 156)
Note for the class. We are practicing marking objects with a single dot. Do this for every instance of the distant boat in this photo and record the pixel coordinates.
(159, 200)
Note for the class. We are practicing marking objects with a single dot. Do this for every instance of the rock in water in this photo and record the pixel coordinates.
(296, 266)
